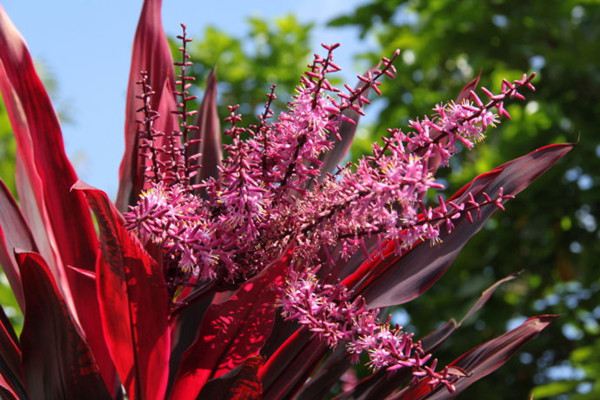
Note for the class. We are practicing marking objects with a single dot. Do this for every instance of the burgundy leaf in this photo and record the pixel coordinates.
(151, 53)
(282, 330)
(443, 332)
(59, 219)
(278, 362)
(480, 361)
(57, 361)
(231, 332)
(298, 371)
(185, 324)
(397, 279)
(11, 374)
(382, 383)
(14, 233)
(134, 303)
(328, 374)
(166, 124)
(485, 296)
(291, 364)
(208, 133)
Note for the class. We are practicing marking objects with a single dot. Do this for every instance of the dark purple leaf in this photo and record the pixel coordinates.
(326, 376)
(480, 361)
(401, 278)
(57, 362)
(185, 324)
(485, 296)
(209, 133)
(11, 373)
(291, 364)
(382, 383)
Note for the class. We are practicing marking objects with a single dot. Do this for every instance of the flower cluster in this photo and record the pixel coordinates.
(234, 274)
(333, 314)
(271, 194)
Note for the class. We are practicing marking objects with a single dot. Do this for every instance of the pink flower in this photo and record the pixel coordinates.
(267, 198)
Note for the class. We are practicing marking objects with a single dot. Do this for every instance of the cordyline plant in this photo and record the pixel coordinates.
(261, 273)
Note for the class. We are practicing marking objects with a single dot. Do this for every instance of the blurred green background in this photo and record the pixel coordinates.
(550, 231)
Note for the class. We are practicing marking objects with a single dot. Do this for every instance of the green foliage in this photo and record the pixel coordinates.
(7, 150)
(7, 174)
(551, 229)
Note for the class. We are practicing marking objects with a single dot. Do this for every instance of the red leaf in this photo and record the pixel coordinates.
(481, 360)
(241, 383)
(401, 278)
(134, 304)
(14, 233)
(59, 220)
(151, 53)
(57, 361)
(40, 147)
(209, 133)
(231, 332)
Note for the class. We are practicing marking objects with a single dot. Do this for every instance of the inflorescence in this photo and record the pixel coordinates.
(272, 196)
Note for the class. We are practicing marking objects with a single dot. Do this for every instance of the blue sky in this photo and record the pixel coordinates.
(86, 47)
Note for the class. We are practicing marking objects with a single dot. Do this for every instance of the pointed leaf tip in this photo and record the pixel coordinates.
(60, 221)
(480, 361)
(401, 278)
(151, 53)
(208, 133)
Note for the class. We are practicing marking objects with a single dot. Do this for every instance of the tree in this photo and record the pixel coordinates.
(272, 52)
(552, 228)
